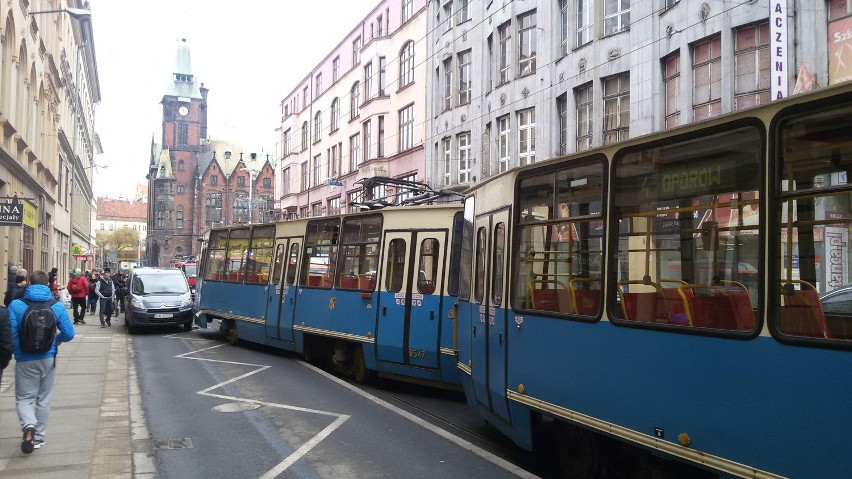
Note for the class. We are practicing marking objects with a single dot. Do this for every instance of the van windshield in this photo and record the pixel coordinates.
(158, 284)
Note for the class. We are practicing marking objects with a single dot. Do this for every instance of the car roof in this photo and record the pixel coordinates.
(152, 270)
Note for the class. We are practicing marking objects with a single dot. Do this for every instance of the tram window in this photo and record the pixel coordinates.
(279, 264)
(396, 265)
(466, 251)
(813, 248)
(259, 257)
(429, 263)
(237, 249)
(455, 253)
(479, 277)
(291, 264)
(689, 235)
(359, 257)
(216, 248)
(560, 240)
(497, 267)
(320, 257)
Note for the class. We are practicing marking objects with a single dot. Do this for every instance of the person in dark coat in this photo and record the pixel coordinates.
(7, 341)
(51, 282)
(16, 291)
(93, 296)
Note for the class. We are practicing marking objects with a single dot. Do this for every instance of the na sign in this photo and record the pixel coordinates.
(778, 48)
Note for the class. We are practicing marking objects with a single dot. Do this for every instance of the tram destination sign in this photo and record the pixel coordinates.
(11, 214)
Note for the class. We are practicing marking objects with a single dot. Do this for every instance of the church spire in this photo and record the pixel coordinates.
(182, 83)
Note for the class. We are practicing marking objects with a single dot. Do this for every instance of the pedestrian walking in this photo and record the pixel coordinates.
(34, 320)
(51, 283)
(93, 295)
(16, 290)
(7, 341)
(106, 291)
(78, 288)
(120, 281)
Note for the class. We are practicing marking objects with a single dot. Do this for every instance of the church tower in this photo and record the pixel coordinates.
(173, 169)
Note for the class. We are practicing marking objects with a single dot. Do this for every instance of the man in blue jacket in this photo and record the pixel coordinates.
(35, 373)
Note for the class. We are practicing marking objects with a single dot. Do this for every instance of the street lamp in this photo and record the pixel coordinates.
(75, 13)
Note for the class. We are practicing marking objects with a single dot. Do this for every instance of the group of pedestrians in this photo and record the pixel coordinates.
(28, 330)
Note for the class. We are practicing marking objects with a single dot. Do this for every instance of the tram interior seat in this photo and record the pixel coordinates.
(801, 311)
(348, 282)
(646, 305)
(718, 306)
(253, 278)
(367, 281)
(314, 280)
(327, 280)
(549, 295)
(587, 301)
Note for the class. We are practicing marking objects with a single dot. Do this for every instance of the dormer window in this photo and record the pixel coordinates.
(180, 77)
(227, 155)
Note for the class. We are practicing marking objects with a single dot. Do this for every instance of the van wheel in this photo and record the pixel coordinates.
(359, 367)
(187, 326)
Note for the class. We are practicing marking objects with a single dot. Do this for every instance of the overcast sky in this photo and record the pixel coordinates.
(250, 54)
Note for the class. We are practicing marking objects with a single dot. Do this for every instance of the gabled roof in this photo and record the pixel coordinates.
(115, 209)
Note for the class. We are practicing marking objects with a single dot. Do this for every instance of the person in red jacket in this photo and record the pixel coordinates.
(78, 288)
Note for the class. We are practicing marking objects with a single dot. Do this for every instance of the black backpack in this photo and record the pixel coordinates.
(38, 327)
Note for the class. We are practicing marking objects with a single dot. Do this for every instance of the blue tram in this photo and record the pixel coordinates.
(362, 292)
(668, 293)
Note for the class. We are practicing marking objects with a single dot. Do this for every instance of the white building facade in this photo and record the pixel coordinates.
(358, 114)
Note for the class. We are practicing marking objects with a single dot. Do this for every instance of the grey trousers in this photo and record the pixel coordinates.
(33, 392)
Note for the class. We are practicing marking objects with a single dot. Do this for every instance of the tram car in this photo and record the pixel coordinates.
(668, 293)
(362, 292)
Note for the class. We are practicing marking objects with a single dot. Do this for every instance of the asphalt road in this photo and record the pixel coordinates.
(218, 411)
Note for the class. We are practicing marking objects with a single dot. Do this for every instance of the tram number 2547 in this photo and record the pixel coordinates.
(414, 302)
(416, 353)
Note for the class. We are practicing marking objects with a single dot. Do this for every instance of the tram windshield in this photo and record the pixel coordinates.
(813, 292)
(688, 233)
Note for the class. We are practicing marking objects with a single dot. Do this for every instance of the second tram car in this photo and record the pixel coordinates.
(665, 292)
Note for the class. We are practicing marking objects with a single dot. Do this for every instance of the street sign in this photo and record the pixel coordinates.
(331, 182)
(11, 214)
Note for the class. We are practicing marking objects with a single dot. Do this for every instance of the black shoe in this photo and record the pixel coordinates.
(27, 443)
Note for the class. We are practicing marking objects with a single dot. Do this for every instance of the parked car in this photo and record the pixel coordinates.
(157, 297)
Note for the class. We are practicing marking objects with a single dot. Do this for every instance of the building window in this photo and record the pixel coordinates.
(406, 128)
(448, 158)
(214, 180)
(407, 10)
(526, 44)
(335, 69)
(213, 208)
(406, 62)
(562, 114)
(183, 134)
(285, 181)
(751, 54)
(381, 145)
(464, 78)
(305, 136)
(505, 34)
(317, 169)
(303, 212)
(241, 181)
(180, 165)
(503, 135)
(489, 64)
(379, 25)
(287, 140)
(267, 183)
(671, 79)
(462, 11)
(448, 84)
(354, 152)
(335, 114)
(616, 98)
(382, 75)
(368, 81)
(448, 13)
(305, 98)
(317, 126)
(334, 206)
(584, 22)
(355, 101)
(368, 140)
(240, 209)
(316, 209)
(179, 217)
(707, 78)
(616, 16)
(304, 183)
(356, 51)
(181, 189)
(839, 9)
(526, 137)
(464, 157)
(583, 100)
(318, 84)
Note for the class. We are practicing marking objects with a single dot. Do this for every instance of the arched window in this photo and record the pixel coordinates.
(214, 180)
(317, 126)
(180, 165)
(406, 64)
(267, 183)
(355, 101)
(6, 67)
(181, 189)
(335, 114)
(179, 217)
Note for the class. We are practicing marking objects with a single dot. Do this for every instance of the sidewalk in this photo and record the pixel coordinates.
(96, 427)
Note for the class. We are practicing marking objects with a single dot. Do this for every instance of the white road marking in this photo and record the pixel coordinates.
(298, 453)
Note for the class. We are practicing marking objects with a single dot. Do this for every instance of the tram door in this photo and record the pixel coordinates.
(282, 291)
(489, 294)
(409, 321)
